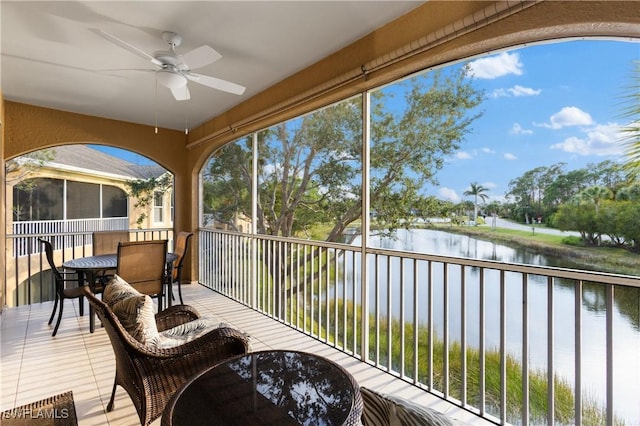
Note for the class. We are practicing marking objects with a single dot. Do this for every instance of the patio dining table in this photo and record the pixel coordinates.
(90, 266)
(275, 387)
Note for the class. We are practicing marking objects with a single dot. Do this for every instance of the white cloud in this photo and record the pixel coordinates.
(516, 90)
(517, 129)
(463, 155)
(488, 150)
(509, 156)
(489, 185)
(499, 93)
(568, 116)
(496, 66)
(600, 140)
(449, 194)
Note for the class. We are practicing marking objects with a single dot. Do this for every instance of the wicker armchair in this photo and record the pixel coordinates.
(151, 375)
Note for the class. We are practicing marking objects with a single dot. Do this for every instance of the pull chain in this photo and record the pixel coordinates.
(155, 107)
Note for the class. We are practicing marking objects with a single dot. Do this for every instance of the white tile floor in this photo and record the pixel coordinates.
(35, 365)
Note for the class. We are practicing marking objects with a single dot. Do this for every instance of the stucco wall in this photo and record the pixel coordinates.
(2, 211)
(29, 128)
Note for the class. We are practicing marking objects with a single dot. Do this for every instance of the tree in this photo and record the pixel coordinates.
(594, 195)
(570, 217)
(565, 187)
(19, 168)
(477, 191)
(528, 191)
(309, 169)
(631, 132)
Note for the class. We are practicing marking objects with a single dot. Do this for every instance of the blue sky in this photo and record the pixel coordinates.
(125, 155)
(546, 104)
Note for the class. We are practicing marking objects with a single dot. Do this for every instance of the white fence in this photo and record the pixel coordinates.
(55, 229)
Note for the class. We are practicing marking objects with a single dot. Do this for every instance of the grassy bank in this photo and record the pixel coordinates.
(604, 259)
(594, 412)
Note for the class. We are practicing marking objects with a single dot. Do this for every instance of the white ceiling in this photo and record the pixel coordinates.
(51, 58)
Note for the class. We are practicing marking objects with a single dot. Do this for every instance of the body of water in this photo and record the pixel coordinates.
(593, 355)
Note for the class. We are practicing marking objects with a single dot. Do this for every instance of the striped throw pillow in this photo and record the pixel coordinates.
(116, 290)
(388, 410)
(137, 317)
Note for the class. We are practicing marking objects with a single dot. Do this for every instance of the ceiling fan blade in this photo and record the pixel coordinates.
(201, 56)
(115, 40)
(216, 83)
(181, 93)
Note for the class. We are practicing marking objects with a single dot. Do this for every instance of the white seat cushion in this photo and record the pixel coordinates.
(183, 333)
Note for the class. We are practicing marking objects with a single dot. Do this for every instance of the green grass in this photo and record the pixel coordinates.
(603, 259)
(593, 411)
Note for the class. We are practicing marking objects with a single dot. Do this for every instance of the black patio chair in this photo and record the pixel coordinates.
(62, 277)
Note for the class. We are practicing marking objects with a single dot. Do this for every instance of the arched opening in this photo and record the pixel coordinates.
(67, 192)
(513, 135)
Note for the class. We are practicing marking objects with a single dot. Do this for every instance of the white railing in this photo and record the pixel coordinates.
(23, 247)
(447, 325)
(25, 281)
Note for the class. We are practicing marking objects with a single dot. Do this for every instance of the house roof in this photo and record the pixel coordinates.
(85, 157)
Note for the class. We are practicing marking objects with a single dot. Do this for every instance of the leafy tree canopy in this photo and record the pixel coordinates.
(310, 169)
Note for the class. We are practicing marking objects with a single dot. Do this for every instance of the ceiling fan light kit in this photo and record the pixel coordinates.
(170, 79)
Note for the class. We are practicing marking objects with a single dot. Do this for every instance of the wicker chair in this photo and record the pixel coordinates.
(151, 375)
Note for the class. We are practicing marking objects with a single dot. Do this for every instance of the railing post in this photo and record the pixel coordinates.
(610, 314)
(364, 259)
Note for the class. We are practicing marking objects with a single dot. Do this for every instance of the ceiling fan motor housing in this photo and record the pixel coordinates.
(172, 38)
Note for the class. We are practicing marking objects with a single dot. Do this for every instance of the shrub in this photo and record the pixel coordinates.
(573, 241)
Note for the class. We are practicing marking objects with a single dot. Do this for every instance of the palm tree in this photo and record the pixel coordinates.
(631, 133)
(595, 195)
(478, 191)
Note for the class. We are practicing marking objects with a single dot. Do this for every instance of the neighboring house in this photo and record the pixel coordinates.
(82, 189)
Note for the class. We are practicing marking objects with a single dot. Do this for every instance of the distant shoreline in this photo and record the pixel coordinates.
(591, 258)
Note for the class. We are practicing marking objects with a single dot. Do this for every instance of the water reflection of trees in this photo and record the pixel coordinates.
(309, 389)
(594, 299)
(626, 300)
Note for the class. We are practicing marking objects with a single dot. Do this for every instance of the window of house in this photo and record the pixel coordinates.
(158, 206)
(83, 200)
(38, 199)
(44, 199)
(114, 202)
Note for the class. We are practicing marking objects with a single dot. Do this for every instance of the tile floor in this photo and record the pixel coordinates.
(35, 365)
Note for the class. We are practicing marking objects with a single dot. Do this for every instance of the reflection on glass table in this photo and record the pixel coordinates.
(268, 388)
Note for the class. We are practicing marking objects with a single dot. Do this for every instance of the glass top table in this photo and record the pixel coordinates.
(268, 388)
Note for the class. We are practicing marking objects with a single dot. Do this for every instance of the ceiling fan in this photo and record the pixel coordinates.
(173, 70)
